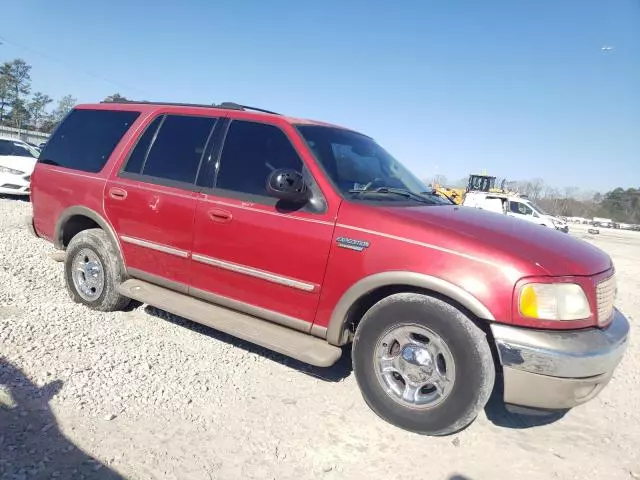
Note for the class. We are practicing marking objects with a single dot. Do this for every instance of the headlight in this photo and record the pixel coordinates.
(10, 170)
(553, 301)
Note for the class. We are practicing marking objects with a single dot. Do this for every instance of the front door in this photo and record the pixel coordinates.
(521, 210)
(250, 252)
(151, 201)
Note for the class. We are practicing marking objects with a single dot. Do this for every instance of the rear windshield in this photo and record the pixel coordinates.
(86, 138)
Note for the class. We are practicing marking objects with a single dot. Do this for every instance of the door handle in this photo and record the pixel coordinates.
(117, 193)
(219, 215)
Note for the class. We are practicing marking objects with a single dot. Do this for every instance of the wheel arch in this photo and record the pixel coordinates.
(75, 219)
(369, 290)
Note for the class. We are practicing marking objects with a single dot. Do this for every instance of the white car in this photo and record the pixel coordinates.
(17, 161)
(514, 206)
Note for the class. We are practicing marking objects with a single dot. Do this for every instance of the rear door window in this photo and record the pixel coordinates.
(171, 149)
(86, 139)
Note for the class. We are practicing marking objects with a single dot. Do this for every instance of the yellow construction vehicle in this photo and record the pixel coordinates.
(477, 183)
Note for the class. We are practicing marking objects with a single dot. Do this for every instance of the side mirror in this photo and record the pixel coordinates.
(288, 185)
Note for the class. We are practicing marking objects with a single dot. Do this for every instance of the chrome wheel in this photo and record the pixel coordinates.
(414, 366)
(88, 274)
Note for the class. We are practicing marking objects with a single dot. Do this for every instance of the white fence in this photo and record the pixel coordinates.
(24, 135)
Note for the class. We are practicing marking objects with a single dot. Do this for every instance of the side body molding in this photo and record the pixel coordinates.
(339, 317)
(58, 240)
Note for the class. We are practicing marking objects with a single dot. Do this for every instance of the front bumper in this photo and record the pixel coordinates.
(15, 184)
(558, 369)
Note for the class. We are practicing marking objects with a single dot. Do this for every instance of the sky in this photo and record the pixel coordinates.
(517, 89)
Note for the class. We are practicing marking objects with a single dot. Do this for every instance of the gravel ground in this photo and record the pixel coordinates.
(144, 394)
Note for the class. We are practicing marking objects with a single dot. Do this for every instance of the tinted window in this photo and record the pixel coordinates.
(8, 147)
(137, 157)
(86, 138)
(178, 147)
(251, 152)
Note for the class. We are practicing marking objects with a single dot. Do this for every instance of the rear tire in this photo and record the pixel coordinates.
(93, 271)
(422, 365)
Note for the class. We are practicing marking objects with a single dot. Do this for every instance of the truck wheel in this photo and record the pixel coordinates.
(93, 270)
(422, 365)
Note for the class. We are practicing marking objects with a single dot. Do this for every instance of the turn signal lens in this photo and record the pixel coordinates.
(553, 301)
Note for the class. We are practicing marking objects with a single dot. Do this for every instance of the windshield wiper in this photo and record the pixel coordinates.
(394, 191)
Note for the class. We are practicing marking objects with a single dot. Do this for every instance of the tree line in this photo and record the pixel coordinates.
(621, 205)
(23, 109)
(20, 107)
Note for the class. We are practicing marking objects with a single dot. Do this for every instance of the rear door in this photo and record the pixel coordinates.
(151, 200)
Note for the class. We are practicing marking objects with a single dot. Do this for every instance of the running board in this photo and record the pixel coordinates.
(298, 345)
(58, 256)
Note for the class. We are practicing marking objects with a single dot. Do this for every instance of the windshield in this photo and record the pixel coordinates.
(357, 164)
(9, 147)
(481, 182)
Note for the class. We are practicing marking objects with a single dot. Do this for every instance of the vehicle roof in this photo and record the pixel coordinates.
(513, 196)
(231, 112)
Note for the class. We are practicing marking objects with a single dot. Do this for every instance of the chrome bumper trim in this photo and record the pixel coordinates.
(254, 272)
(155, 246)
(563, 353)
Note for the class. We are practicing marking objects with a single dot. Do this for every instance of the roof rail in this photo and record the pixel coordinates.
(225, 105)
(237, 106)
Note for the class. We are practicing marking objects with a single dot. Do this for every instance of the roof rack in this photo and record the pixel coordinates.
(226, 105)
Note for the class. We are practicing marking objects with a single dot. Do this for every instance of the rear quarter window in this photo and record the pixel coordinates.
(86, 138)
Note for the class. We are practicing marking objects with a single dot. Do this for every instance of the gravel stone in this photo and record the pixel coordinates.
(195, 403)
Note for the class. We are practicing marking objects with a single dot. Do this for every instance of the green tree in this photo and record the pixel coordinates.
(115, 98)
(15, 84)
(65, 105)
(20, 77)
(5, 90)
(19, 114)
(37, 108)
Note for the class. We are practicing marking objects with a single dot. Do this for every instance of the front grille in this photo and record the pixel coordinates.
(605, 297)
(27, 178)
(11, 186)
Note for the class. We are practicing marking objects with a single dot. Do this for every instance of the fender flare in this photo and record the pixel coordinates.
(58, 233)
(339, 317)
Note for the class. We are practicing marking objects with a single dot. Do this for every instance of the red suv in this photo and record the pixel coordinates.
(303, 237)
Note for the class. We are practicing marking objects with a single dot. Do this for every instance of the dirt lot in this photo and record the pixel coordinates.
(147, 395)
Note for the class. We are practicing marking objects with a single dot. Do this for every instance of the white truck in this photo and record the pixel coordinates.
(514, 206)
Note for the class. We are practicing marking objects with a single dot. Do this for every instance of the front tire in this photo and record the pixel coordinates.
(93, 271)
(422, 365)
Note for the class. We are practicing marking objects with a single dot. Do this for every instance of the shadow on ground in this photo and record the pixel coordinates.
(499, 414)
(31, 444)
(336, 373)
(496, 410)
(21, 198)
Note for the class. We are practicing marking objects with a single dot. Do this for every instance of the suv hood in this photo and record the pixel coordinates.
(502, 238)
(24, 164)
